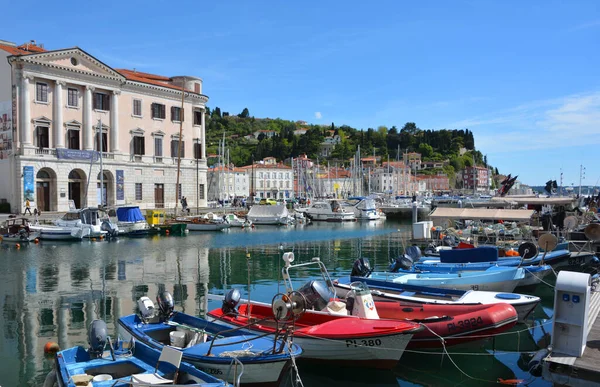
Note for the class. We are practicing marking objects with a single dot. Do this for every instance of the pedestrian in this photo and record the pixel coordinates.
(27, 207)
(184, 204)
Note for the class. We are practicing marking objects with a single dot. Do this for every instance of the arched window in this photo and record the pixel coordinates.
(43, 175)
(74, 175)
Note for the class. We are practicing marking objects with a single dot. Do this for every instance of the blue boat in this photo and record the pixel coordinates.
(495, 278)
(124, 364)
(131, 222)
(210, 346)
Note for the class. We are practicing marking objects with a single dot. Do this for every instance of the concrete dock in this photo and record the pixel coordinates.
(585, 370)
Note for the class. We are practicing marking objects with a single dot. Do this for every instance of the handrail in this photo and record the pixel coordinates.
(237, 380)
(220, 333)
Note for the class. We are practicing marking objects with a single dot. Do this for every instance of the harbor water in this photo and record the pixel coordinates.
(53, 290)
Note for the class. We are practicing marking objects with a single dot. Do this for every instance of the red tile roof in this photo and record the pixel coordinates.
(23, 49)
(152, 79)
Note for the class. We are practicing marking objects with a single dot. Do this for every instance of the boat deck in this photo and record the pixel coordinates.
(582, 371)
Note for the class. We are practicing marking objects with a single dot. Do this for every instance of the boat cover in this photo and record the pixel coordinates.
(266, 211)
(478, 254)
(130, 214)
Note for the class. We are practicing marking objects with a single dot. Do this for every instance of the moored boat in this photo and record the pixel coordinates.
(131, 222)
(210, 346)
(93, 222)
(198, 223)
(137, 364)
(329, 211)
(17, 230)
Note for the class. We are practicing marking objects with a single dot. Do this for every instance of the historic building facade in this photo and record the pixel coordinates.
(85, 134)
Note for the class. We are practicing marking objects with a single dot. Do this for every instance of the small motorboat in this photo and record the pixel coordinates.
(199, 223)
(417, 295)
(337, 338)
(58, 233)
(131, 222)
(17, 230)
(236, 221)
(124, 364)
(93, 222)
(209, 346)
(329, 211)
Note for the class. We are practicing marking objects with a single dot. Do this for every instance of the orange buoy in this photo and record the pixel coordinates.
(167, 232)
(36, 241)
(18, 246)
(51, 348)
(101, 237)
(93, 239)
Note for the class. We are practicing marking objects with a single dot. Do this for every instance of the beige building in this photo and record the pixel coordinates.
(67, 109)
(275, 181)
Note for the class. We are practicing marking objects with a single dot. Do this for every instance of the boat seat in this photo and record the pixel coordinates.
(167, 355)
(337, 308)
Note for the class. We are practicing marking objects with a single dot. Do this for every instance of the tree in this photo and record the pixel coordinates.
(425, 150)
(217, 112)
(244, 114)
(485, 164)
(496, 171)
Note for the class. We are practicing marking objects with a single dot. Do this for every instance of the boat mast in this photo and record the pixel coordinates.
(101, 165)
(177, 193)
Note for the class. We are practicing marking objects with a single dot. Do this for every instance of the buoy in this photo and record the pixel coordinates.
(18, 246)
(93, 239)
(36, 241)
(167, 232)
(51, 348)
(101, 237)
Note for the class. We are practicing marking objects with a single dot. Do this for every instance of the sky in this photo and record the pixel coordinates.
(523, 76)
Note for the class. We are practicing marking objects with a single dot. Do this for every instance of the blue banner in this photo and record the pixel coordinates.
(28, 183)
(76, 154)
(120, 185)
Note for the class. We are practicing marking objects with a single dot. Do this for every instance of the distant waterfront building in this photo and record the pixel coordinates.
(475, 178)
(435, 183)
(413, 160)
(273, 181)
(66, 107)
(227, 183)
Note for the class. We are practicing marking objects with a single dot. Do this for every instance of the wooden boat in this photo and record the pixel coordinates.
(198, 223)
(123, 365)
(417, 295)
(210, 346)
(325, 337)
(17, 230)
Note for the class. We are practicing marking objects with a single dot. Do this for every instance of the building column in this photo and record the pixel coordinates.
(26, 133)
(203, 135)
(88, 135)
(59, 134)
(114, 122)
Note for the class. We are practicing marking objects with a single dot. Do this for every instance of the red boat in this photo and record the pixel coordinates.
(455, 323)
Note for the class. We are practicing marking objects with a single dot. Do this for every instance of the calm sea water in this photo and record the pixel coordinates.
(52, 291)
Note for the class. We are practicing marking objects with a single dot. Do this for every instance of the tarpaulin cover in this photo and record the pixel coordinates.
(129, 214)
(478, 254)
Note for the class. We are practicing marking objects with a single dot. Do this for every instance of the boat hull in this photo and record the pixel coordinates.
(207, 227)
(19, 239)
(57, 234)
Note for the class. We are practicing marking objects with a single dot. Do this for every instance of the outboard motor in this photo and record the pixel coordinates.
(110, 228)
(317, 295)
(403, 262)
(413, 252)
(97, 338)
(231, 300)
(165, 305)
(146, 307)
(361, 268)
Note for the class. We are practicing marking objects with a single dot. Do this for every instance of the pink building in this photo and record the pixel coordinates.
(475, 178)
(69, 107)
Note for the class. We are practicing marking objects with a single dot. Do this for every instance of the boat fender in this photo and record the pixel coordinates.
(51, 379)
(536, 363)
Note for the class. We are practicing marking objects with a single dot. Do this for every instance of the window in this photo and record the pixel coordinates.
(101, 101)
(287, 184)
(72, 97)
(196, 87)
(104, 142)
(197, 117)
(260, 184)
(176, 113)
(139, 145)
(201, 193)
(158, 146)
(268, 183)
(42, 137)
(138, 191)
(197, 150)
(260, 175)
(158, 111)
(137, 107)
(41, 92)
(73, 139)
(174, 146)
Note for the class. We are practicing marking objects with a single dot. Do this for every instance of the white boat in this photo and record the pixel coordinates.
(363, 208)
(269, 215)
(130, 221)
(329, 211)
(93, 222)
(199, 223)
(235, 221)
(58, 233)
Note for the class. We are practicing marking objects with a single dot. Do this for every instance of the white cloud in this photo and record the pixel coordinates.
(546, 124)
(318, 115)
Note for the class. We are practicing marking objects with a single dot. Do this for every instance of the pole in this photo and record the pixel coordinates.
(197, 182)
(101, 166)
(177, 193)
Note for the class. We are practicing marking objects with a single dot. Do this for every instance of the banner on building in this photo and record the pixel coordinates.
(28, 183)
(6, 129)
(76, 154)
(120, 185)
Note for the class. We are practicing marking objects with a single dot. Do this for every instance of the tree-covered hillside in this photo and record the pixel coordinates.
(249, 138)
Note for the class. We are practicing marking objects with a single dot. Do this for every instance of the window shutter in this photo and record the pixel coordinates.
(172, 113)
(181, 110)
(143, 142)
(162, 111)
(182, 149)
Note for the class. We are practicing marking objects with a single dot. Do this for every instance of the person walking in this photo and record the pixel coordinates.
(27, 207)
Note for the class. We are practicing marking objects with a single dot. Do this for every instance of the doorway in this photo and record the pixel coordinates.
(159, 195)
(45, 187)
(76, 183)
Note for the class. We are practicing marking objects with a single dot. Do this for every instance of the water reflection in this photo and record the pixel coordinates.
(53, 291)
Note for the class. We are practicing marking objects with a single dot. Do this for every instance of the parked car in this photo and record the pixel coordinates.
(270, 202)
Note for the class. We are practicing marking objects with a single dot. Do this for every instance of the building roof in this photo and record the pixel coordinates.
(270, 166)
(153, 79)
(226, 169)
(23, 49)
(481, 213)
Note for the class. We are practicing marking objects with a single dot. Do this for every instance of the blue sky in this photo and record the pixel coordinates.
(523, 76)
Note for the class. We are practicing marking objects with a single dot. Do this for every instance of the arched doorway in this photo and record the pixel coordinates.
(107, 192)
(45, 187)
(76, 187)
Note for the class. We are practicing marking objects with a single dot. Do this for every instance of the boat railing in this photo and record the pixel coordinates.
(245, 339)
(233, 366)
